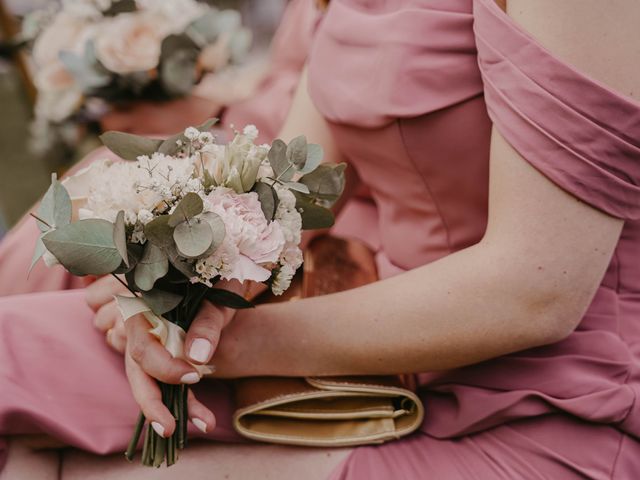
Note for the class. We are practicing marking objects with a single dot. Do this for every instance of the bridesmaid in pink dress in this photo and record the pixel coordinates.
(411, 106)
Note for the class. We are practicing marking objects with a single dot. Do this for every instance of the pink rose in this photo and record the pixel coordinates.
(130, 42)
(58, 95)
(259, 242)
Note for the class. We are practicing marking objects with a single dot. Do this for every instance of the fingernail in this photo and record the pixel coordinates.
(200, 425)
(189, 378)
(158, 428)
(200, 350)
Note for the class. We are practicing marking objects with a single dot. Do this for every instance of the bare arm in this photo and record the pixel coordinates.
(527, 283)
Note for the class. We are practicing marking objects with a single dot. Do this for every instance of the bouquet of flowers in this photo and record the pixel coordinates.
(90, 54)
(175, 218)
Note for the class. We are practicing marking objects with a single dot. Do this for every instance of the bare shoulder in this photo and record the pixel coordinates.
(602, 39)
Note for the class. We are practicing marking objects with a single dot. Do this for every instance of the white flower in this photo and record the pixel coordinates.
(192, 133)
(86, 8)
(205, 137)
(64, 33)
(130, 42)
(251, 132)
(175, 14)
(58, 94)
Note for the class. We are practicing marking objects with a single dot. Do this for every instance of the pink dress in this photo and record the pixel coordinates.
(444, 71)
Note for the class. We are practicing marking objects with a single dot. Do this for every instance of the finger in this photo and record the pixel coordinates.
(200, 416)
(204, 333)
(147, 395)
(107, 316)
(117, 339)
(102, 291)
(153, 358)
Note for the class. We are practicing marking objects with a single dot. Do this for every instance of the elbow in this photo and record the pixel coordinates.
(553, 318)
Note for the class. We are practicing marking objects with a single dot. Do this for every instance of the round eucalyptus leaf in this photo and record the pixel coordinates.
(153, 265)
(193, 238)
(217, 227)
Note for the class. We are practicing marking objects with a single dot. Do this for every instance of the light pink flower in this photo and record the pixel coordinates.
(259, 241)
(130, 42)
(65, 33)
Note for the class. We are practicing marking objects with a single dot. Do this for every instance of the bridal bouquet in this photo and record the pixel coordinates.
(91, 54)
(175, 218)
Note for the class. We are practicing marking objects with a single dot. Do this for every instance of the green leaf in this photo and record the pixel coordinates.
(178, 72)
(159, 232)
(297, 151)
(225, 298)
(55, 207)
(129, 146)
(217, 227)
(153, 265)
(190, 206)
(298, 187)
(228, 20)
(240, 44)
(278, 160)
(193, 238)
(38, 251)
(179, 263)
(170, 145)
(204, 29)
(120, 237)
(315, 153)
(313, 216)
(177, 43)
(134, 254)
(161, 302)
(326, 182)
(85, 247)
(268, 199)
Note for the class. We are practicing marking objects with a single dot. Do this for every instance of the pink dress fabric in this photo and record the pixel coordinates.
(445, 70)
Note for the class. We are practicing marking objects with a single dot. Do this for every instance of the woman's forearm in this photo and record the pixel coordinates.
(436, 317)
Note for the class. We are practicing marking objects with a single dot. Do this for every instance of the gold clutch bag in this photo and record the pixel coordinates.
(328, 411)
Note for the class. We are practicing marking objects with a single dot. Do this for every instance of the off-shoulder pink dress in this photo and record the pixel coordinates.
(411, 89)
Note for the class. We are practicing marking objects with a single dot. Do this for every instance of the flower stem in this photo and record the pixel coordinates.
(131, 449)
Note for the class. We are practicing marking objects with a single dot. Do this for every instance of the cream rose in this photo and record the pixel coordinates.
(130, 43)
(66, 32)
(58, 94)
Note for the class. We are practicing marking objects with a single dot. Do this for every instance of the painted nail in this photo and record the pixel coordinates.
(200, 350)
(189, 378)
(158, 428)
(200, 425)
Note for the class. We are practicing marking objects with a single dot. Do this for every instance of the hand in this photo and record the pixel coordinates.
(99, 297)
(146, 359)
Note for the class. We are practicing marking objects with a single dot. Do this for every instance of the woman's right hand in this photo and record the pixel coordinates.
(99, 296)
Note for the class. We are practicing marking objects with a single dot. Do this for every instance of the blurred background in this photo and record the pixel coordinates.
(25, 166)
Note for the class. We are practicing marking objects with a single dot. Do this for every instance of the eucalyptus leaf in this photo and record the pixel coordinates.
(38, 251)
(190, 206)
(55, 207)
(204, 29)
(193, 238)
(134, 254)
(85, 247)
(176, 43)
(225, 298)
(278, 160)
(326, 182)
(268, 199)
(159, 232)
(170, 145)
(129, 146)
(298, 187)
(153, 265)
(178, 72)
(161, 302)
(297, 151)
(315, 153)
(120, 238)
(313, 216)
(180, 264)
(217, 227)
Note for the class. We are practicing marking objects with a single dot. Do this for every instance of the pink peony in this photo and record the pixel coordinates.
(259, 242)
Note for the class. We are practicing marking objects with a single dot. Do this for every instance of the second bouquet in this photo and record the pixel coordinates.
(176, 217)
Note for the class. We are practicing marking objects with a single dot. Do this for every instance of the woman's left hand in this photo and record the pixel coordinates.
(146, 359)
